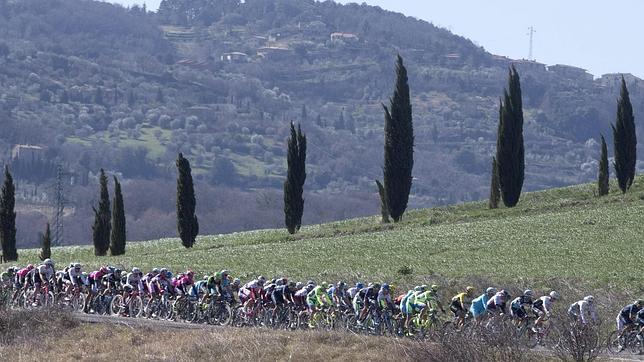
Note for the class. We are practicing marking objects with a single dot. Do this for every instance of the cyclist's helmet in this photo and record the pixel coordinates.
(469, 290)
(155, 271)
(324, 285)
(384, 286)
(376, 286)
(168, 274)
(341, 285)
(261, 280)
(434, 288)
(190, 273)
(224, 272)
(554, 295)
(505, 293)
(77, 266)
(48, 262)
(30, 266)
(359, 285)
(291, 285)
(639, 302)
(136, 270)
(282, 281)
(206, 277)
(310, 287)
(528, 293)
(104, 270)
(423, 287)
(117, 271)
(299, 285)
(163, 271)
(418, 288)
(589, 298)
(217, 276)
(236, 281)
(490, 290)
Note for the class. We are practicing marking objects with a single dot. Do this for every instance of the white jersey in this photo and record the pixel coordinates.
(584, 311)
(47, 271)
(548, 303)
(134, 280)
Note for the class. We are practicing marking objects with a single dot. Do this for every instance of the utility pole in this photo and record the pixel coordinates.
(60, 208)
(531, 32)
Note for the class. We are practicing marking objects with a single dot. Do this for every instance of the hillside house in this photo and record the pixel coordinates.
(275, 53)
(28, 153)
(234, 57)
(346, 37)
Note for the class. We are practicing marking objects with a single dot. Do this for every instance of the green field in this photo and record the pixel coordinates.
(564, 234)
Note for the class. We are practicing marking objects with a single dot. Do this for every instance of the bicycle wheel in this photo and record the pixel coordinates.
(135, 307)
(116, 306)
(614, 342)
(224, 314)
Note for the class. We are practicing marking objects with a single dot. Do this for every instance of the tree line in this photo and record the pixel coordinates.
(507, 174)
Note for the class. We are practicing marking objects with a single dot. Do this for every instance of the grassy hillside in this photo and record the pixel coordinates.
(561, 234)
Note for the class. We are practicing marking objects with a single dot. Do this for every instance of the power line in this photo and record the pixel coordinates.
(60, 208)
(531, 32)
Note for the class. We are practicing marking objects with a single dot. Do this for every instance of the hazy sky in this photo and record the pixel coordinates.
(598, 35)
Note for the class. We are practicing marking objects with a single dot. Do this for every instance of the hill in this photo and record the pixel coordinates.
(561, 237)
(97, 85)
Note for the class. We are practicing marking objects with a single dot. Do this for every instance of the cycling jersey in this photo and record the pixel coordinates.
(582, 310)
(497, 303)
(478, 305)
(317, 297)
(198, 287)
(404, 302)
(74, 276)
(384, 300)
(426, 299)
(134, 279)
(640, 318)
(282, 294)
(45, 270)
(351, 292)
(543, 305)
(629, 311)
(517, 306)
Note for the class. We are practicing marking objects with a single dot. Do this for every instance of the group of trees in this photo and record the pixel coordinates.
(109, 230)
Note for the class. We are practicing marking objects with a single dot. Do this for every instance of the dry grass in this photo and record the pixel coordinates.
(102, 342)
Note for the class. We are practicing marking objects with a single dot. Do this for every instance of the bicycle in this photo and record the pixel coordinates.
(631, 339)
(73, 299)
(45, 298)
(131, 305)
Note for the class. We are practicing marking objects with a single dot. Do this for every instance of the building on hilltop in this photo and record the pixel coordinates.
(344, 37)
(234, 57)
(27, 153)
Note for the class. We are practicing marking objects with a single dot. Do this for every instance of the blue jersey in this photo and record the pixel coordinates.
(478, 305)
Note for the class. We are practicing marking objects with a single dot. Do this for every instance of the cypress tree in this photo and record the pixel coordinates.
(45, 242)
(384, 211)
(187, 222)
(295, 178)
(495, 192)
(8, 218)
(399, 146)
(625, 141)
(117, 238)
(101, 228)
(510, 152)
(602, 182)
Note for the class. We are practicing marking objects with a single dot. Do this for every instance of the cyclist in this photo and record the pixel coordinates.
(159, 283)
(460, 304)
(44, 273)
(282, 295)
(542, 308)
(7, 277)
(252, 291)
(133, 279)
(234, 291)
(300, 295)
(351, 292)
(497, 305)
(384, 298)
(112, 279)
(517, 306)
(583, 311)
(408, 303)
(365, 298)
(640, 324)
(183, 284)
(338, 294)
(74, 276)
(317, 299)
(626, 317)
(477, 308)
